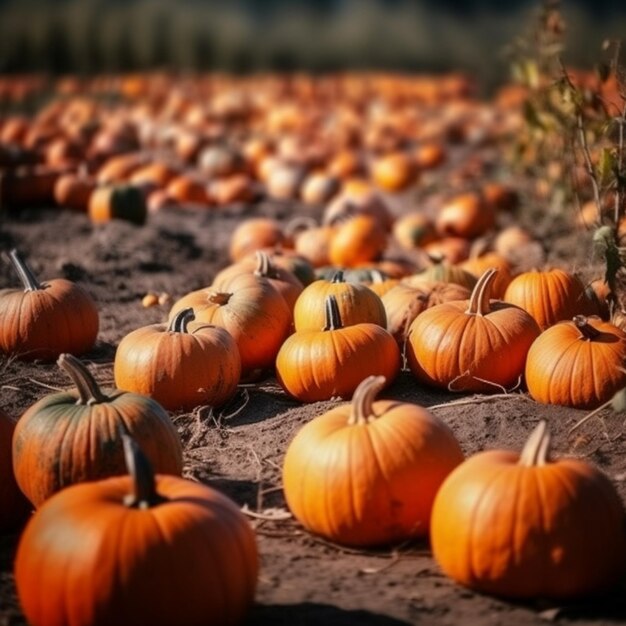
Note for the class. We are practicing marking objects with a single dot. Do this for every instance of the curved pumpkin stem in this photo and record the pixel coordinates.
(29, 280)
(479, 300)
(333, 317)
(536, 451)
(219, 297)
(180, 321)
(363, 399)
(338, 277)
(144, 494)
(264, 265)
(88, 389)
(587, 331)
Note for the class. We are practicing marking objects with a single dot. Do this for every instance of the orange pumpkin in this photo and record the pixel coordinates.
(359, 239)
(73, 191)
(453, 249)
(414, 230)
(318, 188)
(550, 296)
(474, 345)
(358, 201)
(45, 319)
(578, 363)
(254, 234)
(72, 437)
(250, 309)
(314, 244)
(466, 215)
(524, 526)
(181, 366)
(479, 264)
(394, 172)
(357, 304)
(188, 189)
(182, 538)
(366, 473)
(320, 364)
(14, 507)
(124, 202)
(440, 271)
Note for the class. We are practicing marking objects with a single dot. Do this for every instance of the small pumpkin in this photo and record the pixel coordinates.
(366, 473)
(254, 234)
(14, 507)
(525, 526)
(180, 365)
(453, 249)
(182, 538)
(73, 191)
(72, 437)
(476, 265)
(356, 304)
(440, 271)
(320, 364)
(414, 230)
(318, 188)
(45, 318)
(577, 363)
(359, 239)
(125, 202)
(466, 215)
(474, 345)
(394, 171)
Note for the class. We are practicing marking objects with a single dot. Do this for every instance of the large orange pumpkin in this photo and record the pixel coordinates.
(72, 437)
(366, 473)
(180, 365)
(524, 526)
(331, 361)
(138, 549)
(45, 318)
(474, 345)
(579, 363)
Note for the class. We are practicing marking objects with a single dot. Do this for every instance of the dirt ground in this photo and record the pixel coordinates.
(303, 580)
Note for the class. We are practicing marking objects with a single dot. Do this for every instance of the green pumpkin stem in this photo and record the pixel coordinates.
(536, 451)
(264, 265)
(180, 320)
(88, 389)
(333, 317)
(338, 277)
(361, 410)
(29, 280)
(144, 494)
(479, 300)
(587, 331)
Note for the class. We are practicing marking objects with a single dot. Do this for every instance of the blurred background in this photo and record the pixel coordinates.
(87, 36)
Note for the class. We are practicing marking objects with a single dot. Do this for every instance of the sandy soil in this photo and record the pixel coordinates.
(303, 580)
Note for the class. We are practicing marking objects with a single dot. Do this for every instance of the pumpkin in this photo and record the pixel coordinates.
(157, 173)
(14, 507)
(429, 155)
(314, 244)
(453, 249)
(188, 189)
(181, 366)
(466, 215)
(124, 202)
(118, 168)
(45, 319)
(414, 230)
(356, 304)
(359, 239)
(549, 296)
(577, 363)
(474, 345)
(358, 201)
(319, 187)
(393, 172)
(476, 265)
(380, 284)
(440, 271)
(73, 191)
(254, 234)
(233, 188)
(366, 473)
(403, 303)
(188, 555)
(525, 526)
(320, 364)
(250, 309)
(72, 437)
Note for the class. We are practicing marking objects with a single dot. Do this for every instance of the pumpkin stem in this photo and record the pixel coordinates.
(338, 277)
(333, 317)
(436, 258)
(587, 331)
(180, 321)
(264, 265)
(88, 389)
(219, 297)
(144, 494)
(536, 451)
(479, 300)
(377, 277)
(29, 280)
(361, 409)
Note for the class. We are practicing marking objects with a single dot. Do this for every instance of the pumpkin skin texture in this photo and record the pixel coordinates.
(45, 319)
(357, 304)
(181, 366)
(188, 556)
(549, 296)
(72, 437)
(366, 473)
(250, 309)
(467, 215)
(474, 345)
(478, 265)
(321, 364)
(14, 507)
(522, 526)
(577, 363)
(358, 240)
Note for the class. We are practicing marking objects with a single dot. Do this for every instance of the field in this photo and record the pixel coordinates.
(239, 448)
